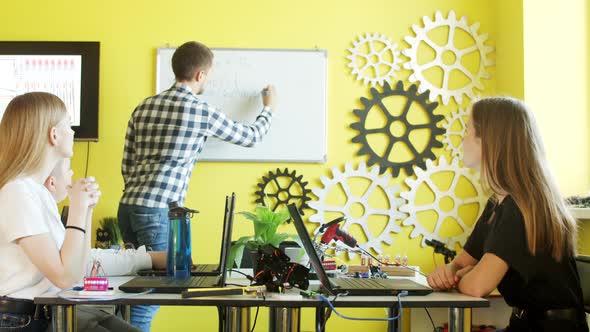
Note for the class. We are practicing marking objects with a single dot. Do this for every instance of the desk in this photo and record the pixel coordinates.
(284, 314)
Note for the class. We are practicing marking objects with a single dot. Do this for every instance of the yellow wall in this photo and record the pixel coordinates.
(509, 48)
(130, 32)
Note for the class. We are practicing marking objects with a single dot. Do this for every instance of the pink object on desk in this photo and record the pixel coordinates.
(96, 284)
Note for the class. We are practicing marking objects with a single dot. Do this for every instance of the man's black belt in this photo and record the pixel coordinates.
(21, 306)
(569, 314)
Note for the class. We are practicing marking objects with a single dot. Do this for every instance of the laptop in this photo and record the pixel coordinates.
(204, 269)
(352, 286)
(165, 284)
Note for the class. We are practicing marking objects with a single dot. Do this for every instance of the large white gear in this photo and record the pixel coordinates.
(425, 177)
(418, 69)
(381, 182)
(378, 54)
(458, 117)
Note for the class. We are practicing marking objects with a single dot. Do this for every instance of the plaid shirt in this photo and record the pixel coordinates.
(164, 137)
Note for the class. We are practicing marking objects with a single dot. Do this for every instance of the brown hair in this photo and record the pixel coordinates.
(513, 162)
(24, 133)
(189, 58)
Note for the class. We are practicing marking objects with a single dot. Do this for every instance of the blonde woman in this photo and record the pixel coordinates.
(524, 243)
(37, 252)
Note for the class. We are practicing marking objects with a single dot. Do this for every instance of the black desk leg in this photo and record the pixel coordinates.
(125, 312)
(320, 318)
(394, 325)
(221, 318)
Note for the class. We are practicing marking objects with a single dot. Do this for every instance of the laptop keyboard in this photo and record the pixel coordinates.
(361, 283)
(188, 282)
(205, 268)
(200, 268)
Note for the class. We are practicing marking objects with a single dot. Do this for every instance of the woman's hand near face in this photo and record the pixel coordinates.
(84, 193)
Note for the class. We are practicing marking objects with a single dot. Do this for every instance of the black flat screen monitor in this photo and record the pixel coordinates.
(69, 70)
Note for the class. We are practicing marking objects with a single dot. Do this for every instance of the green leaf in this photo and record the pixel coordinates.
(256, 243)
(283, 215)
(237, 251)
(265, 214)
(271, 231)
(261, 229)
(278, 238)
(297, 240)
(266, 222)
(249, 215)
(235, 255)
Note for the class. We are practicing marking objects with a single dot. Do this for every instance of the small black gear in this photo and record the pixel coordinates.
(411, 97)
(284, 196)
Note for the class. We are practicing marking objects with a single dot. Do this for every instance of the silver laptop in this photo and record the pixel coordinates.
(352, 286)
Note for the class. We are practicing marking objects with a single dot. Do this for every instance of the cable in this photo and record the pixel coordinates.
(431, 321)
(329, 313)
(87, 158)
(255, 318)
(256, 315)
(237, 285)
(399, 302)
(387, 264)
(249, 277)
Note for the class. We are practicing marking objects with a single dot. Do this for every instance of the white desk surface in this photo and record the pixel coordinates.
(435, 299)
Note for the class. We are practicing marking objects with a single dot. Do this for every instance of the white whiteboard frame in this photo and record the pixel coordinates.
(322, 159)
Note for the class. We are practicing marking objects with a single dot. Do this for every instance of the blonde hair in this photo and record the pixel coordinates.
(24, 133)
(513, 162)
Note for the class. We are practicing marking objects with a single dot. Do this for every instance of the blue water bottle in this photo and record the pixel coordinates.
(179, 259)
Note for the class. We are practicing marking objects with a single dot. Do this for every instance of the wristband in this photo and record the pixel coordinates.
(77, 228)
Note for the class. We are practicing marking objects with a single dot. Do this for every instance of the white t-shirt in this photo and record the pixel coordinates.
(27, 208)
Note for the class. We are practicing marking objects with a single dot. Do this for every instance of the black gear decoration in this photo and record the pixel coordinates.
(411, 97)
(302, 198)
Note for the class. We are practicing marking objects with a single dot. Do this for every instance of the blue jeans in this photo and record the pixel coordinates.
(21, 323)
(149, 227)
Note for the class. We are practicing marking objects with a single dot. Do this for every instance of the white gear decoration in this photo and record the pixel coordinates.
(418, 69)
(456, 117)
(424, 177)
(389, 48)
(382, 182)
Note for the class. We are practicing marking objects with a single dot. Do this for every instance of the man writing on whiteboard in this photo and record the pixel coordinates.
(164, 137)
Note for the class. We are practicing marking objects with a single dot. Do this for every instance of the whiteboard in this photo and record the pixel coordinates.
(298, 129)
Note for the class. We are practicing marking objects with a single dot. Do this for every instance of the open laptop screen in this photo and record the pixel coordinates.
(227, 233)
(308, 246)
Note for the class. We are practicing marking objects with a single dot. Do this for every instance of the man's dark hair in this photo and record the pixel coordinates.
(189, 58)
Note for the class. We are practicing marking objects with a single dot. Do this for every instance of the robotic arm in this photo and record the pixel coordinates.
(331, 231)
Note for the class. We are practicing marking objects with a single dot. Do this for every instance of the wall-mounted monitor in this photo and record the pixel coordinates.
(69, 70)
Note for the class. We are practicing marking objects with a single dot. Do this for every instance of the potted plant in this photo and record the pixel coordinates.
(266, 223)
(108, 235)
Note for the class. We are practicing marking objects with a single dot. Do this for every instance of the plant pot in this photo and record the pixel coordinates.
(253, 254)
